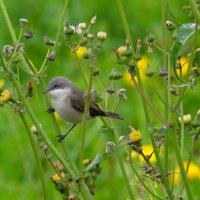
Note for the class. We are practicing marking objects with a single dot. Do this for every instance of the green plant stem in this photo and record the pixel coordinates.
(180, 164)
(180, 190)
(36, 155)
(66, 166)
(124, 21)
(182, 131)
(195, 9)
(166, 91)
(60, 24)
(85, 116)
(8, 22)
(156, 113)
(126, 178)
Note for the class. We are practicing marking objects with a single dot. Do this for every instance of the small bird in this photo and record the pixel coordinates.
(69, 102)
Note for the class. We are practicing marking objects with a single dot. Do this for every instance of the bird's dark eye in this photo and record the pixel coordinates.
(55, 86)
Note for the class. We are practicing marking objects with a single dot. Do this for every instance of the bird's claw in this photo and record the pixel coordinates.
(50, 110)
(61, 137)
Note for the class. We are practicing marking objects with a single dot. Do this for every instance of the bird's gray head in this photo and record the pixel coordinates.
(57, 85)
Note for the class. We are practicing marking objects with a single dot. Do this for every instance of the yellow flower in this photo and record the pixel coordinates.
(135, 136)
(57, 116)
(193, 172)
(147, 149)
(142, 66)
(86, 162)
(2, 83)
(56, 177)
(5, 96)
(183, 64)
(80, 51)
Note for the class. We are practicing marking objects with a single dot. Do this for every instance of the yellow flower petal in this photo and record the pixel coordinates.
(183, 63)
(147, 150)
(135, 136)
(193, 172)
(80, 51)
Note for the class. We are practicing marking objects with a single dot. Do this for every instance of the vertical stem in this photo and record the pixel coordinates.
(85, 116)
(8, 22)
(124, 21)
(60, 24)
(180, 164)
(37, 159)
(166, 90)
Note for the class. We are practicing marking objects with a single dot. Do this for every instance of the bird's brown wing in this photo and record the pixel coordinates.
(78, 103)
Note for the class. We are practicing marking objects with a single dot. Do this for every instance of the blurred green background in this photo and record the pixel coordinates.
(18, 174)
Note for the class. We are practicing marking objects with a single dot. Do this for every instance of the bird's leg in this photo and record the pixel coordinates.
(62, 137)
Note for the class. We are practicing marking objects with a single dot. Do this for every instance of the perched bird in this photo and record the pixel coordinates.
(69, 102)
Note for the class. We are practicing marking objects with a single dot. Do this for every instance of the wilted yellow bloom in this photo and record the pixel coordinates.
(183, 63)
(122, 50)
(135, 136)
(2, 83)
(193, 172)
(147, 149)
(80, 51)
(86, 162)
(142, 66)
(57, 116)
(5, 96)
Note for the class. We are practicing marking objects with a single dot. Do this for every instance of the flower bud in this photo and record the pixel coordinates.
(23, 22)
(93, 20)
(101, 35)
(170, 25)
(149, 72)
(51, 56)
(122, 93)
(186, 119)
(110, 146)
(34, 129)
(122, 50)
(82, 25)
(28, 34)
(48, 41)
(69, 29)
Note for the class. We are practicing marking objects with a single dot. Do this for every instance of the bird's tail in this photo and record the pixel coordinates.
(112, 115)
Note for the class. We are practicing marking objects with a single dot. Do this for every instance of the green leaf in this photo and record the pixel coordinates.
(186, 31)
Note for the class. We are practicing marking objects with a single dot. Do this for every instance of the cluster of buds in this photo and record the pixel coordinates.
(82, 41)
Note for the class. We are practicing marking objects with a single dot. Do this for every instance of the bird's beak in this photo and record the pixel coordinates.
(45, 91)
